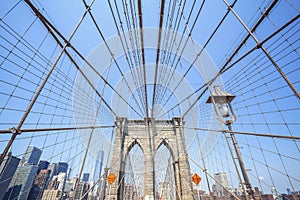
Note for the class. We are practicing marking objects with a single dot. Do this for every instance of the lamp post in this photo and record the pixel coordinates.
(221, 101)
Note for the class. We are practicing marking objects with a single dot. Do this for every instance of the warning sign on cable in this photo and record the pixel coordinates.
(111, 178)
(196, 179)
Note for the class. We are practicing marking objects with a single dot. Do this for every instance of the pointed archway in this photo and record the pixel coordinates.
(165, 183)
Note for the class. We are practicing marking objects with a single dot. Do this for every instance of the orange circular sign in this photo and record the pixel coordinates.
(111, 178)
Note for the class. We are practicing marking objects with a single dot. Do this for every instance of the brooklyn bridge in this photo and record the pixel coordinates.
(150, 100)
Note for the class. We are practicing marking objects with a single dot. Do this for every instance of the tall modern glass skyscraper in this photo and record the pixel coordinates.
(62, 167)
(22, 180)
(98, 165)
(43, 164)
(85, 177)
(32, 155)
(7, 170)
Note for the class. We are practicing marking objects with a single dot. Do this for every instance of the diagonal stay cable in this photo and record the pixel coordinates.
(199, 54)
(250, 32)
(51, 28)
(222, 69)
(171, 74)
(249, 133)
(124, 46)
(91, 135)
(168, 44)
(54, 129)
(143, 54)
(115, 61)
(238, 48)
(35, 97)
(225, 67)
(132, 29)
(131, 23)
(157, 53)
(106, 82)
(169, 48)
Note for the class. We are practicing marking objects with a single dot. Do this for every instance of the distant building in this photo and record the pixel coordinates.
(69, 173)
(43, 164)
(257, 194)
(32, 155)
(53, 184)
(98, 165)
(52, 195)
(292, 196)
(129, 192)
(85, 177)
(56, 168)
(20, 185)
(70, 185)
(39, 184)
(22, 180)
(267, 197)
(274, 193)
(7, 170)
(53, 168)
(62, 167)
(56, 187)
(73, 181)
(81, 190)
(61, 179)
(57, 182)
(197, 192)
(94, 192)
(238, 191)
(222, 184)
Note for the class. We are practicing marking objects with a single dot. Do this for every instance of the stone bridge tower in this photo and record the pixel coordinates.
(166, 132)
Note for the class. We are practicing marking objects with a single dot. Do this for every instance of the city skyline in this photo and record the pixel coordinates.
(54, 186)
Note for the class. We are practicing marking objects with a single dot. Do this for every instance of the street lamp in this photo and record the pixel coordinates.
(222, 104)
(221, 101)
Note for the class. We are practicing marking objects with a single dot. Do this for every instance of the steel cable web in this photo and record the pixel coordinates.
(66, 76)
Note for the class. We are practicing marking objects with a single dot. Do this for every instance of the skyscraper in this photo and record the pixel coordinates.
(52, 194)
(43, 164)
(53, 169)
(62, 167)
(57, 168)
(7, 169)
(21, 183)
(81, 190)
(32, 155)
(22, 180)
(58, 182)
(61, 178)
(39, 184)
(53, 183)
(85, 177)
(98, 165)
(69, 173)
(56, 187)
(222, 183)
